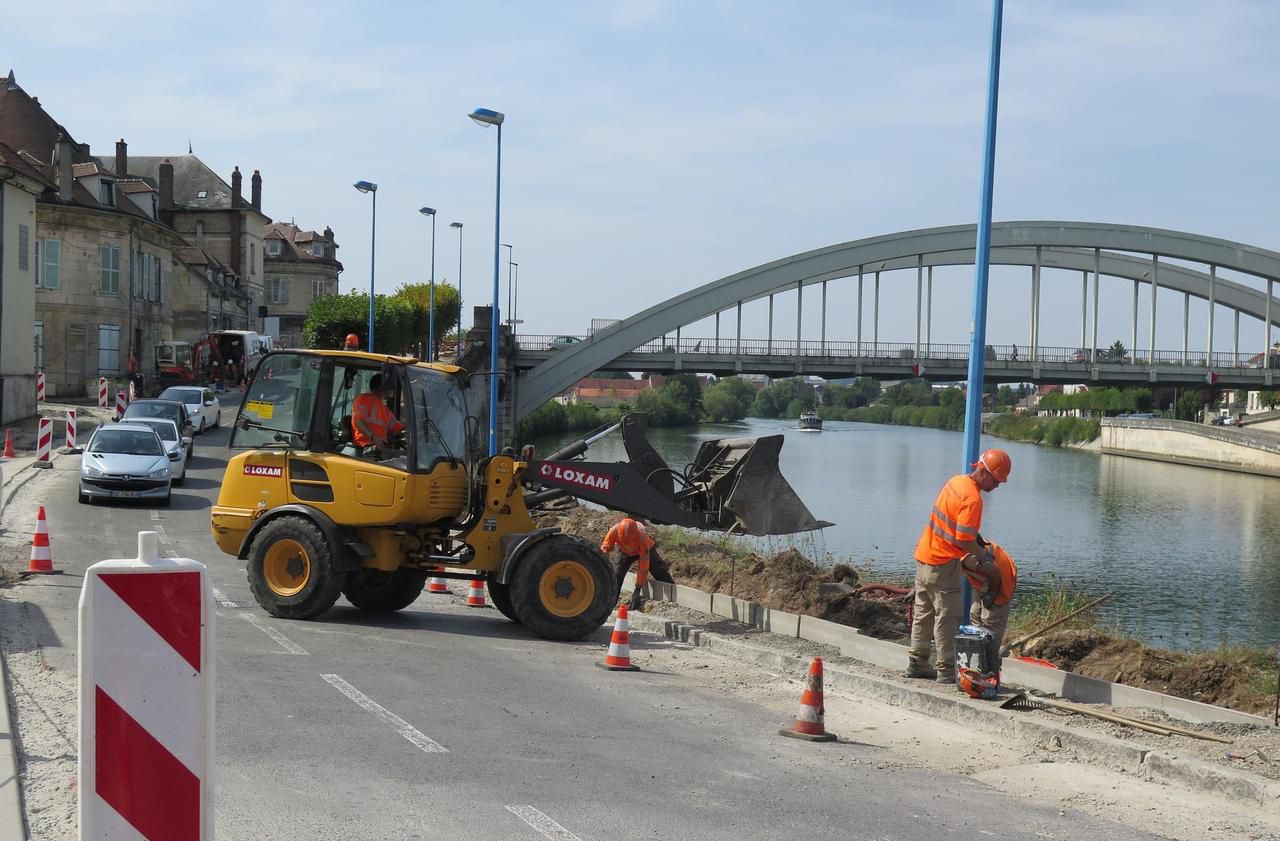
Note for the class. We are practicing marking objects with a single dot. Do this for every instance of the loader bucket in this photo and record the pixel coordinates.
(737, 484)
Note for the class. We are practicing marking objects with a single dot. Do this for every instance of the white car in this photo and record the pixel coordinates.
(173, 443)
(203, 408)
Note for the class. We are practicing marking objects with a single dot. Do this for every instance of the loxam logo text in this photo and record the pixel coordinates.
(270, 470)
(573, 476)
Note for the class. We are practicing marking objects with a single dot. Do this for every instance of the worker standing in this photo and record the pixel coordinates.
(950, 535)
(634, 544)
(995, 581)
(372, 423)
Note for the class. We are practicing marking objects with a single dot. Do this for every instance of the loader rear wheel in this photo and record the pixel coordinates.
(384, 592)
(291, 570)
(500, 595)
(563, 588)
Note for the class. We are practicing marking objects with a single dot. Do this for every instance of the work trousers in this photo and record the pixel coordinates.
(658, 569)
(938, 608)
(994, 620)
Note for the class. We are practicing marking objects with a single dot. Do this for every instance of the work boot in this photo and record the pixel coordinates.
(946, 677)
(915, 670)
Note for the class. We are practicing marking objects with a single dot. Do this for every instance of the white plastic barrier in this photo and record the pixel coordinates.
(102, 392)
(71, 429)
(146, 698)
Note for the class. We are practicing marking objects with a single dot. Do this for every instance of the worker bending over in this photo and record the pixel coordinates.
(372, 423)
(950, 534)
(994, 581)
(634, 543)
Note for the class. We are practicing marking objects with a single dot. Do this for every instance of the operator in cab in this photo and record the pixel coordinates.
(372, 423)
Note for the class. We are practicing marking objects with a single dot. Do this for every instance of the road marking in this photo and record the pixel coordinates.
(155, 515)
(396, 723)
(222, 600)
(286, 643)
(545, 825)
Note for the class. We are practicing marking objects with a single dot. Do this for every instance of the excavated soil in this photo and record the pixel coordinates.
(789, 581)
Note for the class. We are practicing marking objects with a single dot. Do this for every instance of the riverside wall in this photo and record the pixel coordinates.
(1183, 442)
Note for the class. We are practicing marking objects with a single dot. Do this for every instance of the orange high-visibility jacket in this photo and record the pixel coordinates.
(1008, 576)
(956, 516)
(370, 409)
(630, 538)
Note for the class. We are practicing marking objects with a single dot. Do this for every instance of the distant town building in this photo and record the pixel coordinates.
(299, 267)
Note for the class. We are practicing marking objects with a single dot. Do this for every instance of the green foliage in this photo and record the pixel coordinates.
(728, 399)
(1102, 401)
(332, 317)
(1052, 431)
(685, 391)
(862, 392)
(1269, 399)
(775, 399)
(1117, 352)
(663, 410)
(910, 393)
(448, 309)
(553, 417)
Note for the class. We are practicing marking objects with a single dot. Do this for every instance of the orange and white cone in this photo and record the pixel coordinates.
(41, 554)
(437, 585)
(8, 444)
(619, 657)
(809, 721)
(475, 596)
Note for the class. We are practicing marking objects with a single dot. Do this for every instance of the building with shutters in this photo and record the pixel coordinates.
(300, 266)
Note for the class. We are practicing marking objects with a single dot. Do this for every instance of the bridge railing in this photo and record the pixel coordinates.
(891, 352)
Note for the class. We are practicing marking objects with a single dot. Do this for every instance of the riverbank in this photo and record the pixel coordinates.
(1055, 432)
(1236, 677)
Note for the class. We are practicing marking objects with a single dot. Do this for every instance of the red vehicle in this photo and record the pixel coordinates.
(174, 364)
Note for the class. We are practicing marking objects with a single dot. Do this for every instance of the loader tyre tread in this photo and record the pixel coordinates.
(291, 569)
(384, 592)
(563, 588)
(500, 595)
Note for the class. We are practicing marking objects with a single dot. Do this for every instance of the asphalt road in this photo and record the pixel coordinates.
(446, 722)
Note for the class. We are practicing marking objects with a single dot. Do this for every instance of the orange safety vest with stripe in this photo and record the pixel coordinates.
(632, 540)
(1008, 576)
(370, 409)
(956, 516)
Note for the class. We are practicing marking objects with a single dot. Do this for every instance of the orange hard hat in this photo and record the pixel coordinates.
(997, 463)
(352, 340)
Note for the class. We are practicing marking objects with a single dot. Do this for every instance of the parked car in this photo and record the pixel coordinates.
(173, 443)
(126, 461)
(563, 342)
(171, 409)
(202, 405)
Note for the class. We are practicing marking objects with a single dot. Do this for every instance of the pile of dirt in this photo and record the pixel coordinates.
(1210, 677)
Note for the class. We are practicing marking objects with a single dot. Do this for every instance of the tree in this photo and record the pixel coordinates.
(685, 391)
(728, 399)
(1117, 352)
(332, 317)
(773, 400)
(448, 309)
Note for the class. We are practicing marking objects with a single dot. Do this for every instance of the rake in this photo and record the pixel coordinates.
(1023, 701)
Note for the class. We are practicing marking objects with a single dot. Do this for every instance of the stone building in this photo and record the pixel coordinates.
(20, 184)
(300, 266)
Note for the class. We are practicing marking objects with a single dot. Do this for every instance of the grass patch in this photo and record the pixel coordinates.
(1049, 603)
(1055, 432)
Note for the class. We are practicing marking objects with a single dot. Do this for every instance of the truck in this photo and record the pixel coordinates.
(314, 516)
(242, 347)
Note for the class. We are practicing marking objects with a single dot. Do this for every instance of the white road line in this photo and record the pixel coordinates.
(286, 643)
(222, 600)
(396, 723)
(545, 825)
(155, 515)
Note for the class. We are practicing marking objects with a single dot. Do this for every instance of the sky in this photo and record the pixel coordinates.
(651, 146)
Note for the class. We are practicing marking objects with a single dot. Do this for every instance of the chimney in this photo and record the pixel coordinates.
(256, 191)
(328, 233)
(166, 193)
(122, 158)
(236, 199)
(62, 167)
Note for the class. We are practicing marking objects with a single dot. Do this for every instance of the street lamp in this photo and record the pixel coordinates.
(486, 117)
(458, 225)
(370, 187)
(511, 280)
(431, 314)
(511, 253)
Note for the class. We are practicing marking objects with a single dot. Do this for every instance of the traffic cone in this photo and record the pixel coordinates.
(809, 724)
(41, 554)
(619, 657)
(437, 585)
(8, 444)
(475, 596)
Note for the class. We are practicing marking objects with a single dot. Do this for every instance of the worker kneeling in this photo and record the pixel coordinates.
(634, 543)
(994, 577)
(373, 425)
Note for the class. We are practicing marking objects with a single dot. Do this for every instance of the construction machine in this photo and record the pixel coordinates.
(316, 516)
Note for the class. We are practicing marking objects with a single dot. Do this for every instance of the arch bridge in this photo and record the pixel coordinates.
(643, 342)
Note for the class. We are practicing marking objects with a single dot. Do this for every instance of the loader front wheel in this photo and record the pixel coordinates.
(500, 595)
(384, 592)
(291, 569)
(563, 588)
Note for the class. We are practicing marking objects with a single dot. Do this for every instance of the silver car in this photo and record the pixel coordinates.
(125, 461)
(203, 409)
(173, 443)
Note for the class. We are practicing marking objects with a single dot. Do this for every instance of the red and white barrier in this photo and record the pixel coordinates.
(44, 443)
(146, 698)
(133, 391)
(71, 429)
(39, 386)
(102, 392)
(120, 404)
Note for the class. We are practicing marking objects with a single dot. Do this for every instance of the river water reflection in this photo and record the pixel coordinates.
(1189, 553)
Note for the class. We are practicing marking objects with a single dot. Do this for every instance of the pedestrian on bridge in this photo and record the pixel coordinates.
(634, 543)
(951, 534)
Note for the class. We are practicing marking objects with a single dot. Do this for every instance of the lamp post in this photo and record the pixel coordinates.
(486, 117)
(370, 187)
(431, 303)
(511, 253)
(458, 225)
(511, 281)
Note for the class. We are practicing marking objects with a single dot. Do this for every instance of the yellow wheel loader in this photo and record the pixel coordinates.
(315, 515)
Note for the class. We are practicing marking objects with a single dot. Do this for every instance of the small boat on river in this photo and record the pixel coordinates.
(810, 422)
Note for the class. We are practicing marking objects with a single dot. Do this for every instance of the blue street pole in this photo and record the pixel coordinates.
(431, 303)
(486, 117)
(982, 266)
(370, 187)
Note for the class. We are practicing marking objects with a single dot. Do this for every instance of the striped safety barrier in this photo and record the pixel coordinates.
(71, 429)
(133, 391)
(44, 443)
(102, 392)
(120, 404)
(146, 698)
(39, 386)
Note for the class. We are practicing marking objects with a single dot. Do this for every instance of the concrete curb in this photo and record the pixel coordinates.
(10, 794)
(947, 705)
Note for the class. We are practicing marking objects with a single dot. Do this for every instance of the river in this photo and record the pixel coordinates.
(1189, 553)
